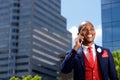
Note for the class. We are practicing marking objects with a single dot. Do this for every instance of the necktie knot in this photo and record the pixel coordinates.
(89, 48)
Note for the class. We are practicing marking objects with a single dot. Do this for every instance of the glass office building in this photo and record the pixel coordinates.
(32, 36)
(111, 24)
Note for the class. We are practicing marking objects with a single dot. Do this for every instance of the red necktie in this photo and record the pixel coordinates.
(90, 52)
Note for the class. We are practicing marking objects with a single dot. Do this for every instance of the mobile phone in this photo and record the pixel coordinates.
(81, 41)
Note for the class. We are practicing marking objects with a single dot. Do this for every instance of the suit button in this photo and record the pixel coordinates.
(94, 78)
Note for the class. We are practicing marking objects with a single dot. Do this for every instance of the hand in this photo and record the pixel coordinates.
(78, 41)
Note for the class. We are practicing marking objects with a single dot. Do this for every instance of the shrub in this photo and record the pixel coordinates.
(116, 56)
(29, 77)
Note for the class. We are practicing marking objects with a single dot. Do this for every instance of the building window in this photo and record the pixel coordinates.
(16, 11)
(14, 50)
(14, 37)
(16, 4)
(15, 24)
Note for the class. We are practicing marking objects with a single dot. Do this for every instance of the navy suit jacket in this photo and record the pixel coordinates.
(74, 60)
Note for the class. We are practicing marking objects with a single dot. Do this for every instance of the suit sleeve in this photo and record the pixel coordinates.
(111, 68)
(68, 62)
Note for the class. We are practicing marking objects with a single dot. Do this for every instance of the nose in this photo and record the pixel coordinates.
(89, 31)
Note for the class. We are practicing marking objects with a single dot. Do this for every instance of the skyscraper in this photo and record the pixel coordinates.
(32, 36)
(111, 24)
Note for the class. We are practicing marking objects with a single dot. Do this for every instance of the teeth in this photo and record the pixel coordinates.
(89, 35)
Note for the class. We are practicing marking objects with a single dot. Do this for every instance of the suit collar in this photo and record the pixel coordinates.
(99, 51)
(81, 55)
(97, 48)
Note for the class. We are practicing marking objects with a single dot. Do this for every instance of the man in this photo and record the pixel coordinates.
(88, 60)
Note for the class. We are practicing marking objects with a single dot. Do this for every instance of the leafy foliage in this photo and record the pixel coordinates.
(29, 77)
(116, 56)
(14, 78)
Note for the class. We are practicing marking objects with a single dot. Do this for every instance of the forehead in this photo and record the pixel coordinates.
(86, 25)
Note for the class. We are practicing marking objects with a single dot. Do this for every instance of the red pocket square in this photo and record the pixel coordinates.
(105, 54)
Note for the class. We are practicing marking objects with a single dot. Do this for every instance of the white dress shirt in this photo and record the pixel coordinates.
(85, 50)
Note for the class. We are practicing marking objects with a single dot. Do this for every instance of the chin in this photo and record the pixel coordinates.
(90, 41)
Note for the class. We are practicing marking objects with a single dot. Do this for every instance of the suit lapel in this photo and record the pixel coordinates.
(99, 55)
(81, 57)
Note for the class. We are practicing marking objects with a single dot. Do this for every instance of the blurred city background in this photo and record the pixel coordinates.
(35, 34)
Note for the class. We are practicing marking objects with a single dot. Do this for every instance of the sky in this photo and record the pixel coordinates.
(76, 11)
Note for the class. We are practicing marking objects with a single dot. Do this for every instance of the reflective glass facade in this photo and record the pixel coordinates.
(32, 36)
(111, 24)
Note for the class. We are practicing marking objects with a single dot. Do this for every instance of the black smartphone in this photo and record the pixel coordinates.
(80, 40)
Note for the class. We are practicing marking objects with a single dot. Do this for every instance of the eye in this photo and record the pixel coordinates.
(84, 29)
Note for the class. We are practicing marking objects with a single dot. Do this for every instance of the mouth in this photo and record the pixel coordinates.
(89, 36)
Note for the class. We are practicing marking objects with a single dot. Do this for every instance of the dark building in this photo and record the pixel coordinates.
(111, 24)
(32, 36)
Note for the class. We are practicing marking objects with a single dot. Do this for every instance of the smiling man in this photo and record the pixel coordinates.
(88, 60)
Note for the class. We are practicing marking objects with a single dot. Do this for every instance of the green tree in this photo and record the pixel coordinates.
(28, 77)
(14, 78)
(37, 78)
(116, 56)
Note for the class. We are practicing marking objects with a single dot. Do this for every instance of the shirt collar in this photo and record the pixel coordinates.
(86, 47)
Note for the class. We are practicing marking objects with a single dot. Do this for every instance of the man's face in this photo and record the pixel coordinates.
(88, 33)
